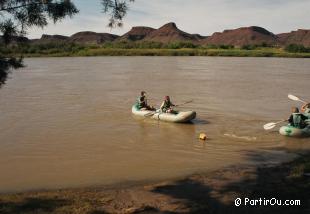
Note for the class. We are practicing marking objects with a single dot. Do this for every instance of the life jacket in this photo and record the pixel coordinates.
(298, 121)
(307, 112)
(141, 102)
(167, 104)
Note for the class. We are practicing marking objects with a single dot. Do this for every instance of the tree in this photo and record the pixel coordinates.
(117, 10)
(295, 48)
(17, 16)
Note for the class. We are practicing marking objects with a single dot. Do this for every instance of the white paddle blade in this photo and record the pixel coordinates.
(293, 97)
(269, 126)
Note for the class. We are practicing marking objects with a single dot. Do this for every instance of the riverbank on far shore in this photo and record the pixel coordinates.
(200, 193)
(103, 51)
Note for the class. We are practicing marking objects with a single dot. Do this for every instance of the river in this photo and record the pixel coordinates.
(67, 122)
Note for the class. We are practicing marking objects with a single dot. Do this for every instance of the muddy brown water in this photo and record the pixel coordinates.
(67, 122)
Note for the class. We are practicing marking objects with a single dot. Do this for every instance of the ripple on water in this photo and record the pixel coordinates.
(67, 122)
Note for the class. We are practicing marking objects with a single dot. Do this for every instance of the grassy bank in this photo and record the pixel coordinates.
(176, 52)
(169, 52)
(202, 193)
(149, 49)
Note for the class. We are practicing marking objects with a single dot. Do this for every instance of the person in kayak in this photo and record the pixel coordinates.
(306, 110)
(142, 102)
(297, 119)
(167, 105)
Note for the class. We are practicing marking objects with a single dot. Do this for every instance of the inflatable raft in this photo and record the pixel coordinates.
(179, 117)
(294, 132)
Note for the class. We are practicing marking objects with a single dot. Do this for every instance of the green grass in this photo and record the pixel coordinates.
(145, 49)
(168, 52)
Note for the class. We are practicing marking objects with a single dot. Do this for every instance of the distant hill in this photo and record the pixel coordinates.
(170, 33)
(85, 37)
(16, 39)
(242, 36)
(300, 37)
(136, 33)
(50, 38)
(92, 37)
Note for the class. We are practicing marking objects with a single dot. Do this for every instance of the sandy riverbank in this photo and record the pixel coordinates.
(200, 193)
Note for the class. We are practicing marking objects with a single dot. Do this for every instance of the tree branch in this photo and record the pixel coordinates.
(20, 6)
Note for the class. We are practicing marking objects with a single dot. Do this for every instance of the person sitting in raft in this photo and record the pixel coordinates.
(297, 119)
(306, 109)
(167, 105)
(142, 102)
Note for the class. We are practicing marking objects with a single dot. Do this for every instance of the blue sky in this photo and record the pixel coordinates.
(193, 16)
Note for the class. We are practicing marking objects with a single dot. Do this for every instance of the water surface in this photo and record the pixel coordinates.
(67, 122)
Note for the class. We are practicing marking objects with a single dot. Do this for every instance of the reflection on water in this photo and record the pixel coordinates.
(67, 122)
(3, 77)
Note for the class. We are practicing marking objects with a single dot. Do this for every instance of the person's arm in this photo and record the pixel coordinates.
(162, 105)
(303, 117)
(290, 119)
(303, 107)
(307, 108)
(142, 100)
(303, 121)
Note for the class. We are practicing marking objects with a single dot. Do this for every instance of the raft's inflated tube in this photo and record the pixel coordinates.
(180, 117)
(291, 131)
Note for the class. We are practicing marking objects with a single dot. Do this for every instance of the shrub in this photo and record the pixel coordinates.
(249, 47)
(226, 46)
(294, 48)
(149, 45)
(179, 45)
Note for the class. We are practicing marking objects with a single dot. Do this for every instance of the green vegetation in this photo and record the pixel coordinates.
(124, 48)
(293, 48)
(253, 47)
(148, 45)
(18, 16)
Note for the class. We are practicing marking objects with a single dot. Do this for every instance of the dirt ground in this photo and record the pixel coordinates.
(213, 192)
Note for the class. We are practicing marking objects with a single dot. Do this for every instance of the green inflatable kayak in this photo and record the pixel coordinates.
(291, 131)
(180, 117)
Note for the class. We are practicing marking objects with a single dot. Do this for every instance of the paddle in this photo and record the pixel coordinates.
(293, 97)
(271, 125)
(152, 113)
(190, 101)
